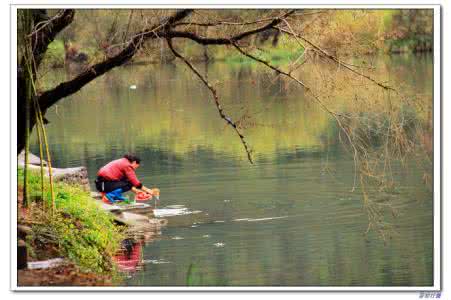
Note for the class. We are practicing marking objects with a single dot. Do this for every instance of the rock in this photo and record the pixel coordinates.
(132, 218)
(32, 159)
(138, 208)
(158, 222)
(46, 264)
(78, 175)
(138, 217)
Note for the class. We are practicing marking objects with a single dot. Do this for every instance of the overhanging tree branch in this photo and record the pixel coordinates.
(163, 30)
(225, 23)
(216, 100)
(361, 161)
(67, 88)
(228, 23)
(224, 40)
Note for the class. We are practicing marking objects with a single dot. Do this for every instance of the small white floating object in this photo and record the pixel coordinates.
(156, 261)
(194, 226)
(226, 200)
(133, 87)
(219, 245)
(239, 220)
(260, 219)
(169, 212)
(266, 219)
(177, 238)
(219, 221)
(206, 236)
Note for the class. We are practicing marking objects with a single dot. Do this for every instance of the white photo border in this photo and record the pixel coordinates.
(437, 145)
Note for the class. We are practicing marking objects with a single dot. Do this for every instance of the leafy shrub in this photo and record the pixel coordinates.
(79, 228)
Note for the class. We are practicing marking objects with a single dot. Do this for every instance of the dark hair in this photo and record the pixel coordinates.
(131, 158)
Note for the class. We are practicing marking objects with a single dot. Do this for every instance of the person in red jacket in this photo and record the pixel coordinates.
(118, 177)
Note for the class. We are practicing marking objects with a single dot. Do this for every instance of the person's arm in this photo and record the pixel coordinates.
(131, 177)
(147, 190)
(143, 188)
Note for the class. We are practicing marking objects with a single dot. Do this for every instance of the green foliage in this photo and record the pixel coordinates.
(409, 30)
(54, 57)
(286, 51)
(277, 56)
(342, 32)
(80, 229)
(357, 32)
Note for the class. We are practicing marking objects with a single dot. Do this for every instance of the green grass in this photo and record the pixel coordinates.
(80, 230)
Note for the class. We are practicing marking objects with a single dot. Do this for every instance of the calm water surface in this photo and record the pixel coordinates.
(288, 220)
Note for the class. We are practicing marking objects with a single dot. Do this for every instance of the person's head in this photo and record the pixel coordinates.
(133, 159)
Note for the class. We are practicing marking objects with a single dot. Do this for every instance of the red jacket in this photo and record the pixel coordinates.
(119, 169)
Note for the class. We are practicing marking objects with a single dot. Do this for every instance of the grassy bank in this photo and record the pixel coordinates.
(78, 229)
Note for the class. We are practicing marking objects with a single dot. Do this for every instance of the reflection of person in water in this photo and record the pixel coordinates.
(130, 256)
(118, 177)
(128, 246)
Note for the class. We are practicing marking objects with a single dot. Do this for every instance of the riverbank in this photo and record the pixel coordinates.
(77, 230)
(73, 228)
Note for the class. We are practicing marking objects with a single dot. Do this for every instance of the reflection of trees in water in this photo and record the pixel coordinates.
(165, 111)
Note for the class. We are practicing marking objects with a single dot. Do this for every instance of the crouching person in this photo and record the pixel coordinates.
(118, 177)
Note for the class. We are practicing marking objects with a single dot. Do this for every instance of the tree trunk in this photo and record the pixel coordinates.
(32, 44)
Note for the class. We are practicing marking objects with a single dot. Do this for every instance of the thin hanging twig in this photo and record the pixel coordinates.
(216, 100)
(40, 121)
(313, 95)
(49, 164)
(333, 58)
(41, 154)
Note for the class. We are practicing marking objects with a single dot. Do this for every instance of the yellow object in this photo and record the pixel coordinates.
(155, 192)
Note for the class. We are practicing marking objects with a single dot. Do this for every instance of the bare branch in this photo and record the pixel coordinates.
(314, 96)
(335, 59)
(162, 30)
(226, 23)
(45, 23)
(216, 100)
(225, 40)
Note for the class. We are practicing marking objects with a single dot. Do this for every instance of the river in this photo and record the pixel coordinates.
(289, 219)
